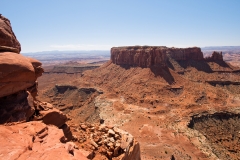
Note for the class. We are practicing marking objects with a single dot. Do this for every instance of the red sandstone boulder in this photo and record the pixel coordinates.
(54, 117)
(17, 73)
(8, 40)
(49, 115)
(35, 140)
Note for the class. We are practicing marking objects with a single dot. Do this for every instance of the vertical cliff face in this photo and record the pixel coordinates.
(178, 54)
(147, 56)
(138, 56)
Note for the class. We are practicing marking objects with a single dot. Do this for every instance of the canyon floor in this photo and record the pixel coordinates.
(185, 110)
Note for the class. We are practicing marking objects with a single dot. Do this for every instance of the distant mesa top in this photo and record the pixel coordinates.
(147, 56)
(8, 40)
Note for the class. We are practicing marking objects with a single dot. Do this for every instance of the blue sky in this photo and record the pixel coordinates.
(45, 25)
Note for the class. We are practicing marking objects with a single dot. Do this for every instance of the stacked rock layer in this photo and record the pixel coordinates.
(147, 56)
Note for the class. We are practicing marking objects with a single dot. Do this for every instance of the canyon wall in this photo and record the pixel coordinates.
(147, 56)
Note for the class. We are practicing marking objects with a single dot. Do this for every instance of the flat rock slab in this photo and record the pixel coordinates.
(35, 140)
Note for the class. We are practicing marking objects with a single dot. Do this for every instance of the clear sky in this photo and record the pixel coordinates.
(45, 25)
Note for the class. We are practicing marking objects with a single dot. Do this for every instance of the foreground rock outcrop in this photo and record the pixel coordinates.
(18, 104)
(35, 140)
(147, 56)
(16, 107)
(31, 129)
(107, 142)
(17, 73)
(8, 40)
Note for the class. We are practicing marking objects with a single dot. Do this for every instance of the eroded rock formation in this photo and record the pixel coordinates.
(147, 56)
(47, 135)
(109, 141)
(184, 54)
(216, 56)
(18, 90)
(18, 75)
(8, 40)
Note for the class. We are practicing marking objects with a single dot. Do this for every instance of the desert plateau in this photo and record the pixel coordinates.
(127, 102)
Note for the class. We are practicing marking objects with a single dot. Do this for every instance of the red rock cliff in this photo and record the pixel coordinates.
(146, 56)
(193, 53)
(138, 56)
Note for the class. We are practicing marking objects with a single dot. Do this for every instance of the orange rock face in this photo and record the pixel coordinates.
(35, 140)
(17, 73)
(8, 40)
(18, 103)
(147, 56)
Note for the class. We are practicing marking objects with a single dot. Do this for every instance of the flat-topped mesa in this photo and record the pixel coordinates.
(142, 56)
(147, 56)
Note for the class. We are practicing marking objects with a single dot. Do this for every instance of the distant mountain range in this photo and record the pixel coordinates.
(58, 56)
(47, 57)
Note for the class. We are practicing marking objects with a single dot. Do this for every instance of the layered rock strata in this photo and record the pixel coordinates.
(183, 54)
(147, 56)
(18, 75)
(138, 56)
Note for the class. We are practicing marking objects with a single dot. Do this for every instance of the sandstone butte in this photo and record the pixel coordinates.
(147, 56)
